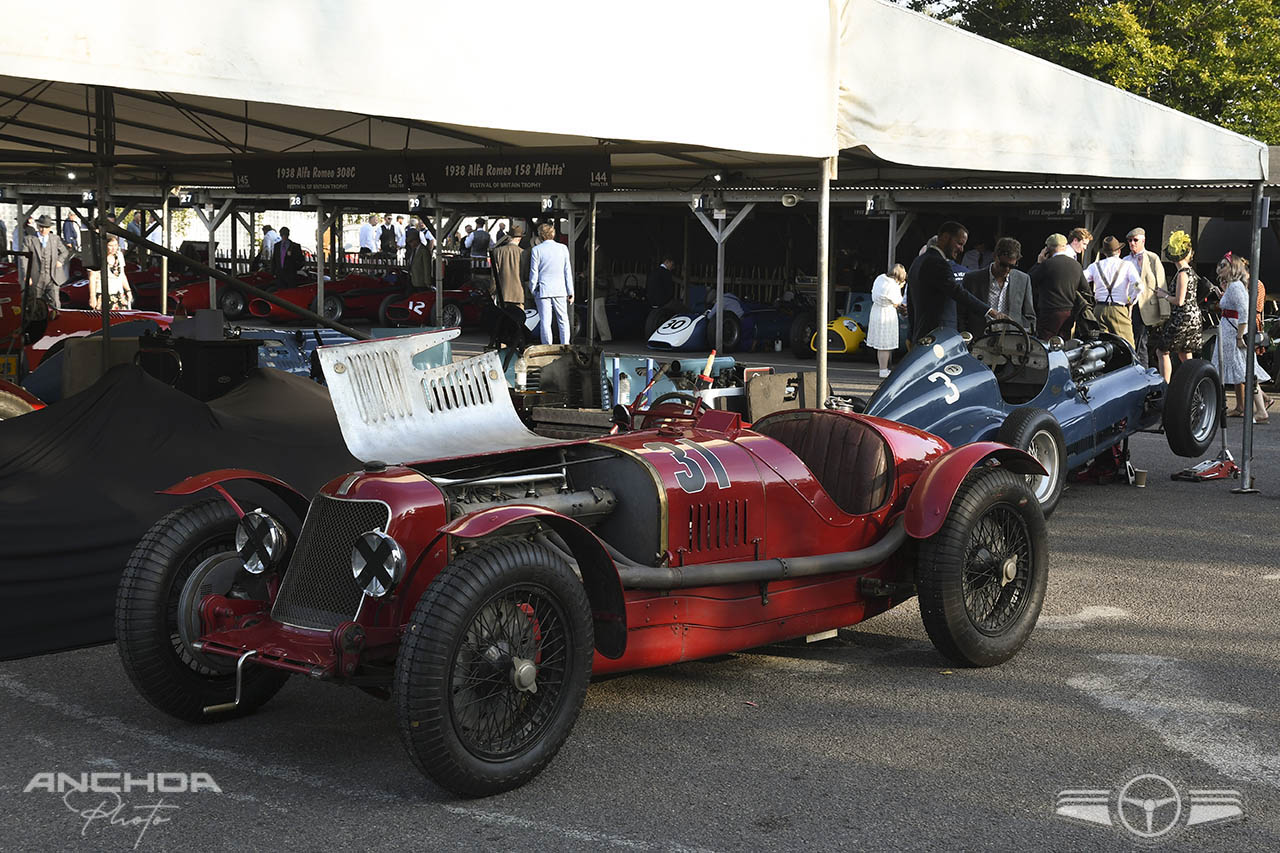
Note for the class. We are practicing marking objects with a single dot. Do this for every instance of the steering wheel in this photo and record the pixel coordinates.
(676, 402)
(1026, 338)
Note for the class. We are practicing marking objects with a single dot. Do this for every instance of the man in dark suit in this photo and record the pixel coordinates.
(1002, 286)
(286, 260)
(934, 291)
(1060, 290)
(661, 286)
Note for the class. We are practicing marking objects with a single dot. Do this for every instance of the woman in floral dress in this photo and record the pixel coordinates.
(1180, 334)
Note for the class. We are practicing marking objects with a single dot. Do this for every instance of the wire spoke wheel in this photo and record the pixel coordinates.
(495, 712)
(494, 667)
(982, 575)
(996, 570)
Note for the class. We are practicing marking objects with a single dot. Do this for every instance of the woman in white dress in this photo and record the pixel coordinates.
(1229, 355)
(118, 290)
(886, 304)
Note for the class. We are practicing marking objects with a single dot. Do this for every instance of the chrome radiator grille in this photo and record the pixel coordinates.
(318, 590)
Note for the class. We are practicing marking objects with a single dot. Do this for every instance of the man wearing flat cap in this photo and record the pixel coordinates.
(1059, 289)
(40, 298)
(1151, 309)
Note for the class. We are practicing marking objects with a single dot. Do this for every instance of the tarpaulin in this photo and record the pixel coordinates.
(78, 484)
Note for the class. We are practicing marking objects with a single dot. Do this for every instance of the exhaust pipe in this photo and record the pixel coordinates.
(635, 576)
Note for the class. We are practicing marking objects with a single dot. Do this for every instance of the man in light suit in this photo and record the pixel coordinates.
(1002, 286)
(1151, 309)
(551, 280)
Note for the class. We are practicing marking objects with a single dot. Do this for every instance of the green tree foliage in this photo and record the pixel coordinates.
(1218, 60)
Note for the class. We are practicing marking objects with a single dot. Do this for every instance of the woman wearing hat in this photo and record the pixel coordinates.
(1180, 334)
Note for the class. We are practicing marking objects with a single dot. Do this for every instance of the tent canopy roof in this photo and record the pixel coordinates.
(692, 89)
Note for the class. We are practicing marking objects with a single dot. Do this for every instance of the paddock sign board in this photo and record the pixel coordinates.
(399, 172)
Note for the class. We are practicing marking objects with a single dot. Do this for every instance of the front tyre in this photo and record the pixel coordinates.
(1038, 433)
(1191, 408)
(494, 667)
(982, 576)
(802, 328)
(154, 629)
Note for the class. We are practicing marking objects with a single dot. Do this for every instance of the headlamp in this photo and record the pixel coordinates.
(260, 541)
(377, 563)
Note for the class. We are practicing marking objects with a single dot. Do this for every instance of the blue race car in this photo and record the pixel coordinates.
(1065, 403)
(748, 326)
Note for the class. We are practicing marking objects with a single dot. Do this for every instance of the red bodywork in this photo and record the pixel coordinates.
(418, 308)
(190, 296)
(762, 503)
(70, 323)
(360, 294)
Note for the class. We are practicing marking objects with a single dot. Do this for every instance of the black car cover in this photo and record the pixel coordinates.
(78, 483)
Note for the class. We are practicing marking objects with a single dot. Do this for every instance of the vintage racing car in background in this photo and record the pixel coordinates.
(1065, 402)
(748, 326)
(355, 295)
(845, 334)
(478, 574)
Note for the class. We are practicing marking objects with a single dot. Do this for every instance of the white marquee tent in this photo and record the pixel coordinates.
(668, 86)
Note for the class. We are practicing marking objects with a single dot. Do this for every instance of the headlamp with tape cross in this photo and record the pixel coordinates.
(260, 541)
(377, 563)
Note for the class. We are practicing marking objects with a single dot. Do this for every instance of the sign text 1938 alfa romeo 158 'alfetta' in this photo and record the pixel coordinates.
(479, 573)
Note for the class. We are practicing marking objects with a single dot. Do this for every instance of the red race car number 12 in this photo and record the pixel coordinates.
(693, 478)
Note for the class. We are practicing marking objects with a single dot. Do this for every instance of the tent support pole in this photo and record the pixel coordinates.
(824, 273)
(591, 272)
(439, 267)
(893, 240)
(721, 233)
(105, 147)
(319, 257)
(166, 226)
(1260, 216)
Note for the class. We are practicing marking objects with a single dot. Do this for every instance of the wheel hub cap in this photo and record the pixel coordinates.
(1009, 571)
(524, 675)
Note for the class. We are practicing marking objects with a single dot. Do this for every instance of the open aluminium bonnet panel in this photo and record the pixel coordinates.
(392, 411)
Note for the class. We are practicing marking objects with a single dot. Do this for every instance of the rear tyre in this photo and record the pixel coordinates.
(494, 667)
(333, 308)
(1038, 433)
(982, 576)
(1192, 408)
(232, 303)
(732, 332)
(451, 315)
(802, 329)
(150, 624)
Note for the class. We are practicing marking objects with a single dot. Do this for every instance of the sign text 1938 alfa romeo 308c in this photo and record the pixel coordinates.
(480, 573)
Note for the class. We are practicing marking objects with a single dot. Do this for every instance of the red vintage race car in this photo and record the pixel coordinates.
(191, 296)
(70, 323)
(354, 296)
(479, 574)
(144, 282)
(465, 306)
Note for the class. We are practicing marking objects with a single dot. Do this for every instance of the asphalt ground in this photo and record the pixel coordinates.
(1158, 651)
